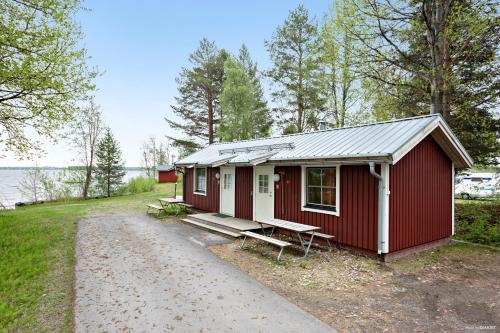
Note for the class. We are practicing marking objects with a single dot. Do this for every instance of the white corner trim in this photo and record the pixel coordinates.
(452, 198)
(303, 194)
(194, 181)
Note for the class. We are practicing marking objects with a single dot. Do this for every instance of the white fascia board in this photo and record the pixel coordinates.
(438, 122)
(456, 144)
(410, 144)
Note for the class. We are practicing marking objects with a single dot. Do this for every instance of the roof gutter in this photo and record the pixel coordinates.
(383, 206)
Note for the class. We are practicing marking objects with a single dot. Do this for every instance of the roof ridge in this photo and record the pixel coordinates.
(330, 129)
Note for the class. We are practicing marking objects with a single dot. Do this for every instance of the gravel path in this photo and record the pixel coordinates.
(136, 274)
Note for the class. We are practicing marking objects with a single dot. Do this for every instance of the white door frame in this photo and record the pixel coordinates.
(255, 188)
(221, 188)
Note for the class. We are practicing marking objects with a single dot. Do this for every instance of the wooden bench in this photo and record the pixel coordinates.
(158, 208)
(323, 236)
(274, 241)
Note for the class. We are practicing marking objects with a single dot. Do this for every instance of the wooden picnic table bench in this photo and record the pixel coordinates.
(274, 241)
(323, 236)
(158, 208)
(298, 228)
(175, 203)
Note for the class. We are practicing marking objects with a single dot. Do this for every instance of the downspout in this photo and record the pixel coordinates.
(381, 240)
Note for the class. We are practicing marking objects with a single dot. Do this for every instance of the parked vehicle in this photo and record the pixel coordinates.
(477, 185)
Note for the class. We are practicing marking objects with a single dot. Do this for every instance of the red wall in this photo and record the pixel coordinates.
(167, 176)
(244, 193)
(209, 202)
(421, 197)
(357, 224)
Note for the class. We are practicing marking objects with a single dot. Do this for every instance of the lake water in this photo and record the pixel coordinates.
(10, 178)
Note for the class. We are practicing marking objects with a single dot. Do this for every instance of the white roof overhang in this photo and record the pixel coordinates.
(444, 137)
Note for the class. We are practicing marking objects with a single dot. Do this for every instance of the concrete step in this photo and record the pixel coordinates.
(211, 227)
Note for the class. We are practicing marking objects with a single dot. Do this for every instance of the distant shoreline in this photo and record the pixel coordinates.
(61, 168)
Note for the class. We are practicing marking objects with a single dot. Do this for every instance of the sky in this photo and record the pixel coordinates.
(141, 46)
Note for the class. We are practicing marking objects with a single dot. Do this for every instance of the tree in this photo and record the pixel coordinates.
(405, 83)
(153, 154)
(86, 130)
(295, 72)
(31, 184)
(340, 82)
(42, 70)
(244, 116)
(199, 90)
(255, 76)
(109, 167)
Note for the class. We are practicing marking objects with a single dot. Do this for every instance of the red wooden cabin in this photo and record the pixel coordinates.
(384, 188)
(167, 174)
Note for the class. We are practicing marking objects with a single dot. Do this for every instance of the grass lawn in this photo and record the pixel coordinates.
(37, 255)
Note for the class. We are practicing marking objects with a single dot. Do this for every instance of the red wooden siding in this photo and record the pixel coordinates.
(420, 202)
(357, 224)
(244, 193)
(209, 202)
(167, 176)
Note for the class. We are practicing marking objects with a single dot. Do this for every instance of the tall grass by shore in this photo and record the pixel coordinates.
(140, 185)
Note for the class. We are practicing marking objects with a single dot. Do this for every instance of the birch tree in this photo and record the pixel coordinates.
(86, 131)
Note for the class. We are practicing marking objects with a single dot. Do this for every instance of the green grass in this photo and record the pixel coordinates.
(477, 221)
(37, 255)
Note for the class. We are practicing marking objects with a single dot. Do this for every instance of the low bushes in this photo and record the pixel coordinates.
(140, 185)
(477, 221)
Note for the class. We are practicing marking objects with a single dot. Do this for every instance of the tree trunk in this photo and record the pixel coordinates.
(88, 177)
(210, 124)
(447, 84)
(435, 13)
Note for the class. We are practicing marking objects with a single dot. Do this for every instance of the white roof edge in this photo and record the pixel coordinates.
(438, 122)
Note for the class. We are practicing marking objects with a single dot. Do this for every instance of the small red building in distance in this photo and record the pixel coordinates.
(384, 188)
(166, 174)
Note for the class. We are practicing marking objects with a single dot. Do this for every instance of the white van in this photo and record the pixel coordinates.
(477, 185)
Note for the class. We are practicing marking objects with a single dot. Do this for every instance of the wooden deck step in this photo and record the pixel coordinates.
(211, 227)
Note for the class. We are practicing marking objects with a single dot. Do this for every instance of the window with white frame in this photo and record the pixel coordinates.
(263, 183)
(321, 188)
(228, 180)
(200, 180)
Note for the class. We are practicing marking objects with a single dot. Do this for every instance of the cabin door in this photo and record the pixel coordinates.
(227, 182)
(264, 193)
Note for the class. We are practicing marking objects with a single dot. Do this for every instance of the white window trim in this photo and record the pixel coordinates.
(194, 181)
(304, 190)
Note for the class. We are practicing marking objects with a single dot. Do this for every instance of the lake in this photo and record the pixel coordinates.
(10, 178)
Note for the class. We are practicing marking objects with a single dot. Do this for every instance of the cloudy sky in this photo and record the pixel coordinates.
(142, 45)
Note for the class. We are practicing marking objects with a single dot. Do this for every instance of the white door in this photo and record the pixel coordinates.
(264, 193)
(227, 177)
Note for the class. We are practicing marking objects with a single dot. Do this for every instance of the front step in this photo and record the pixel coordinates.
(209, 226)
(213, 224)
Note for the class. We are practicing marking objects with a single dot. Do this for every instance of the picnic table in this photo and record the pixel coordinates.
(175, 203)
(298, 228)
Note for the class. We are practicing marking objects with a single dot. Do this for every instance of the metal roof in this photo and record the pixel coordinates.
(165, 167)
(385, 141)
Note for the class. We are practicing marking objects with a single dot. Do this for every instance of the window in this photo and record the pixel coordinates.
(228, 179)
(321, 188)
(263, 183)
(200, 180)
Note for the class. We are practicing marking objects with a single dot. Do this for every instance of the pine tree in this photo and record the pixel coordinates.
(109, 168)
(199, 90)
(245, 114)
(295, 72)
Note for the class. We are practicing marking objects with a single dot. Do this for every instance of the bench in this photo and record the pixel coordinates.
(158, 208)
(274, 241)
(323, 236)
